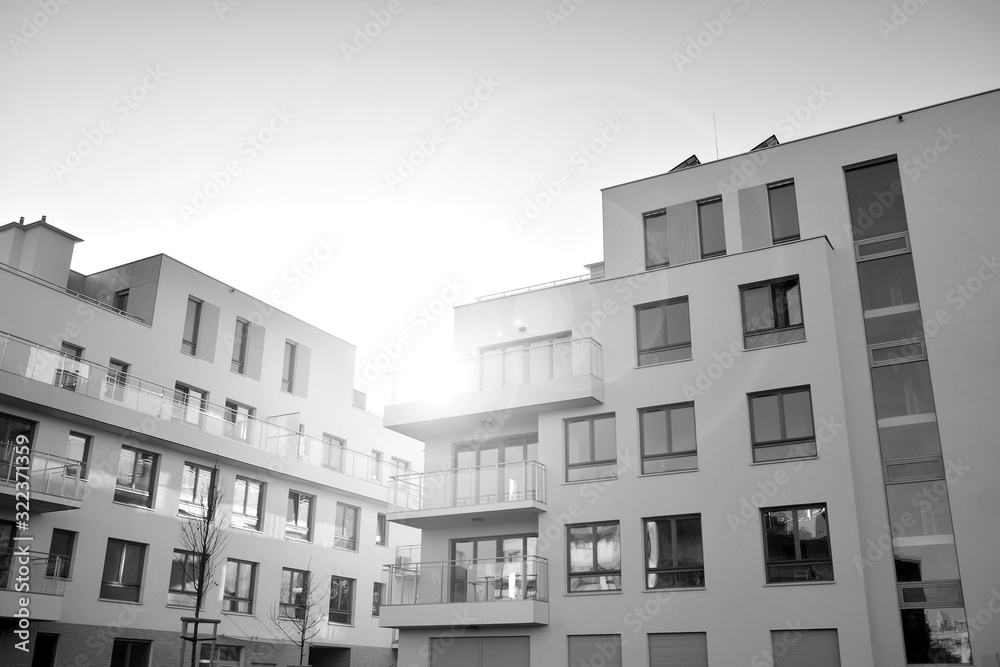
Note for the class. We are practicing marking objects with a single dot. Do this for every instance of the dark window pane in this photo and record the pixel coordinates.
(875, 194)
(713, 233)
(578, 442)
(605, 445)
(654, 432)
(784, 213)
(678, 323)
(888, 282)
(936, 636)
(766, 419)
(798, 415)
(689, 551)
(903, 390)
(657, 244)
(652, 333)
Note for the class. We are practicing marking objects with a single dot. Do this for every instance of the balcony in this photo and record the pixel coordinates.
(506, 491)
(36, 576)
(44, 366)
(504, 385)
(493, 591)
(53, 482)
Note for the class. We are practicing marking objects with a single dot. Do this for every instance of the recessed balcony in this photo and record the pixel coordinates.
(39, 577)
(502, 385)
(493, 591)
(48, 483)
(505, 491)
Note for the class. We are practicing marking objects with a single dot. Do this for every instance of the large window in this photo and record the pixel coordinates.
(299, 519)
(130, 653)
(240, 338)
(333, 456)
(667, 438)
(784, 211)
(341, 600)
(189, 404)
(78, 449)
(781, 424)
(136, 477)
(711, 228)
(197, 488)
(192, 320)
(239, 421)
(294, 593)
(288, 367)
(674, 557)
(60, 553)
(346, 531)
(184, 572)
(241, 579)
(772, 313)
(595, 560)
(663, 330)
(248, 503)
(797, 544)
(122, 578)
(591, 448)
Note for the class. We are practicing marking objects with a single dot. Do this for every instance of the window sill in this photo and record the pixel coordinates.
(798, 583)
(672, 590)
(590, 481)
(586, 593)
(138, 507)
(235, 613)
(118, 601)
(180, 606)
(352, 551)
(341, 625)
(769, 347)
(247, 529)
(797, 458)
(293, 538)
(663, 363)
(668, 472)
(384, 546)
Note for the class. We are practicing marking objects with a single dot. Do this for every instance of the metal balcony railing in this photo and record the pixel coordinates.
(463, 487)
(540, 286)
(45, 574)
(481, 580)
(48, 366)
(511, 366)
(44, 473)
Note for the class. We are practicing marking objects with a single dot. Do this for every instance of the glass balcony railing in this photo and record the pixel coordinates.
(45, 574)
(464, 487)
(482, 580)
(44, 473)
(528, 364)
(48, 366)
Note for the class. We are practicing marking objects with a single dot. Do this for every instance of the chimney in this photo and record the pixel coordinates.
(43, 218)
(22, 220)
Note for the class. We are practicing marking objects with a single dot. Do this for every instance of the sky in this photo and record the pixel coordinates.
(366, 165)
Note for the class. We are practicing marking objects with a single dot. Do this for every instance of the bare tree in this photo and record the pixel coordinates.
(204, 534)
(299, 614)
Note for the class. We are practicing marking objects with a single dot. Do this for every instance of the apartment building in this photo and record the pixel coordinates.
(134, 401)
(759, 433)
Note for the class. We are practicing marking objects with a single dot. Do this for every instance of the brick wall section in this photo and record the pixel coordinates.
(91, 645)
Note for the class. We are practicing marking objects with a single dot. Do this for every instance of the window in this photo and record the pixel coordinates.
(189, 404)
(657, 238)
(376, 466)
(591, 448)
(663, 330)
(288, 367)
(811, 648)
(60, 553)
(294, 591)
(781, 423)
(711, 228)
(378, 596)
(595, 650)
(667, 438)
(772, 313)
(784, 212)
(136, 477)
(345, 534)
(248, 503)
(298, 522)
(225, 656)
(595, 560)
(120, 301)
(192, 320)
(184, 573)
(333, 456)
(341, 600)
(797, 544)
(78, 449)
(130, 653)
(122, 579)
(240, 338)
(117, 381)
(241, 576)
(674, 557)
(381, 530)
(302, 443)
(676, 649)
(197, 489)
(69, 366)
(238, 421)
(399, 466)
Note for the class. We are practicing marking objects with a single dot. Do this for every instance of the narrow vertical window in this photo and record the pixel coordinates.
(288, 367)
(240, 338)
(192, 319)
(784, 212)
(711, 228)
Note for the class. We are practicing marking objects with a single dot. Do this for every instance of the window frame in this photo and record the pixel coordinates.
(190, 347)
(175, 596)
(662, 305)
(194, 507)
(594, 572)
(349, 603)
(379, 590)
(709, 201)
(84, 468)
(610, 464)
(332, 443)
(649, 570)
(241, 339)
(772, 303)
(124, 494)
(646, 218)
(233, 424)
(381, 530)
(289, 602)
(784, 441)
(780, 185)
(182, 401)
(340, 538)
(797, 542)
(127, 646)
(261, 491)
(113, 584)
(63, 567)
(293, 527)
(120, 300)
(234, 598)
(288, 367)
(668, 409)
